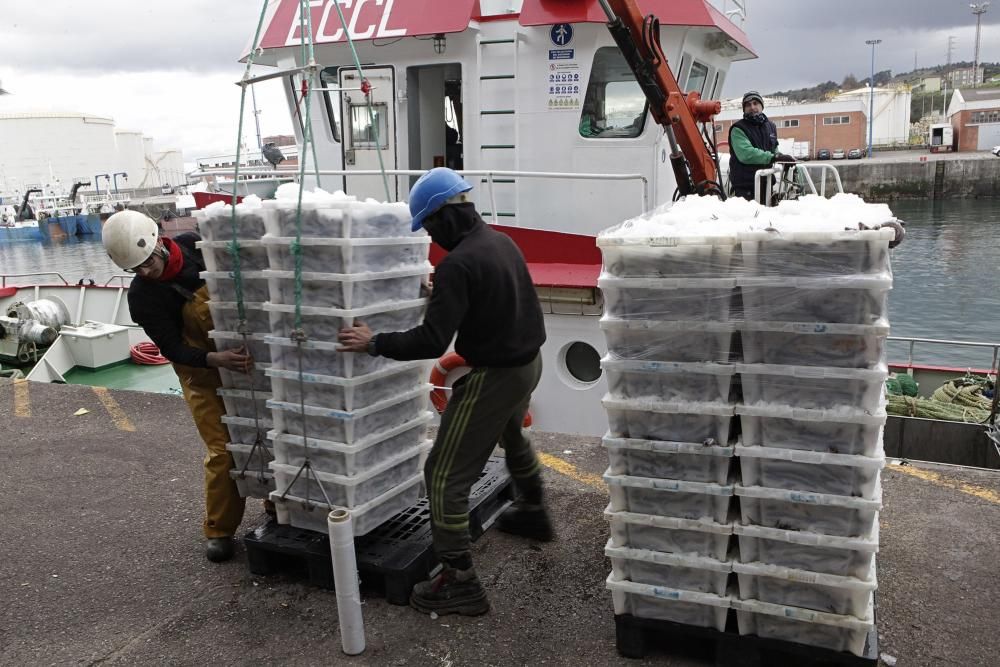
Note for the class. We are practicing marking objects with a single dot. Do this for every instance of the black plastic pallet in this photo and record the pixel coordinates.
(391, 558)
(636, 637)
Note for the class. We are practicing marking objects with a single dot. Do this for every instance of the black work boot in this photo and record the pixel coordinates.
(528, 517)
(452, 591)
(219, 549)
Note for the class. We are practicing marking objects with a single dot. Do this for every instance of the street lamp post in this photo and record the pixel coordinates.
(871, 95)
(977, 10)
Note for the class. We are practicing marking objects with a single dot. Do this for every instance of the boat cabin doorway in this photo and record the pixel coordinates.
(435, 125)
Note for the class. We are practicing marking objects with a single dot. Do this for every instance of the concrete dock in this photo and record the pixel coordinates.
(101, 559)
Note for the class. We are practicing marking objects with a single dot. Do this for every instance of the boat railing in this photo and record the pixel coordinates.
(489, 174)
(121, 278)
(788, 181)
(5, 276)
(912, 343)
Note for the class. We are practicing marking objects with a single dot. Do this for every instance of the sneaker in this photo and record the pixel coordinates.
(530, 521)
(452, 591)
(219, 549)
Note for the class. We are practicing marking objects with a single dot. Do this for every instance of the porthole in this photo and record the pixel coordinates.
(581, 362)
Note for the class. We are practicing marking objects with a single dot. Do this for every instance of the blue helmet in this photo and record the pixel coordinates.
(432, 191)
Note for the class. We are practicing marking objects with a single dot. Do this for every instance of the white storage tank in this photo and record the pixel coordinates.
(56, 146)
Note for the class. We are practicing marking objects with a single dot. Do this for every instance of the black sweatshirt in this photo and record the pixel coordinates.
(482, 290)
(156, 306)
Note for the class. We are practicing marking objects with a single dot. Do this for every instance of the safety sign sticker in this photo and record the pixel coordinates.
(565, 89)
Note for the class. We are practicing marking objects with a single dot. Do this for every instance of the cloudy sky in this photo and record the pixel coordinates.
(167, 67)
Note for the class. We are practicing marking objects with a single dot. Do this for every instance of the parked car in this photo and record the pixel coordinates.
(823, 154)
(838, 154)
(995, 150)
(855, 154)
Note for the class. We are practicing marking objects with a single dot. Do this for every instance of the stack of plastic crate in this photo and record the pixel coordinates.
(669, 323)
(349, 428)
(247, 417)
(810, 450)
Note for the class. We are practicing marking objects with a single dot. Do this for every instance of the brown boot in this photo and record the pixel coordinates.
(452, 591)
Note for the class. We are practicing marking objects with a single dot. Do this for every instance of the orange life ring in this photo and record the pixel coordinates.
(439, 374)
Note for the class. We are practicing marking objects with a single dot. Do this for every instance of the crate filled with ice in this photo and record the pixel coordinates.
(814, 344)
(694, 462)
(806, 590)
(243, 403)
(256, 344)
(351, 290)
(247, 430)
(842, 430)
(679, 606)
(698, 537)
(222, 286)
(658, 340)
(813, 387)
(805, 550)
(681, 571)
(670, 299)
(832, 300)
(803, 470)
(216, 221)
(844, 516)
(340, 255)
(349, 460)
(804, 626)
(664, 256)
(668, 380)
(251, 458)
(322, 358)
(226, 316)
(817, 253)
(323, 324)
(342, 393)
(669, 497)
(220, 256)
(678, 421)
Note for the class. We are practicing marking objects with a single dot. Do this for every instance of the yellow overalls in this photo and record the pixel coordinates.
(223, 504)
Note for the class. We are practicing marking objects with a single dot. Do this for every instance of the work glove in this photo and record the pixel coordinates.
(781, 157)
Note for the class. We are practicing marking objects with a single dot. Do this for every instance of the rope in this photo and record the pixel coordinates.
(147, 354)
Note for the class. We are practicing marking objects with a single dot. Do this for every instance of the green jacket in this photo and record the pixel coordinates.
(746, 152)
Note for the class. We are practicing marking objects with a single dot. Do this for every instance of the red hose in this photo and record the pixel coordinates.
(148, 354)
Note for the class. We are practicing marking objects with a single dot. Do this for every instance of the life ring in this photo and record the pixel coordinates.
(439, 374)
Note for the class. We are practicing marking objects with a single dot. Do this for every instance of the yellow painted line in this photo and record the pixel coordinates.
(118, 416)
(569, 470)
(981, 492)
(22, 402)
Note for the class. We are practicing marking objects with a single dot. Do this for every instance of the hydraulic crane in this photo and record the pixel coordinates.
(692, 157)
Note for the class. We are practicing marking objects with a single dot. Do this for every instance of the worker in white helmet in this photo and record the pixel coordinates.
(167, 298)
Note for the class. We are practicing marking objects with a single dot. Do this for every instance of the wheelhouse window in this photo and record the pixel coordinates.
(614, 106)
(328, 77)
(697, 78)
(363, 131)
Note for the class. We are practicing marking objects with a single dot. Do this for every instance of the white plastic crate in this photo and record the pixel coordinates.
(245, 403)
(349, 460)
(655, 257)
(679, 421)
(217, 256)
(347, 393)
(803, 550)
(669, 497)
(812, 344)
(813, 512)
(804, 626)
(668, 380)
(215, 222)
(350, 426)
(339, 216)
(256, 344)
(668, 604)
(248, 459)
(818, 472)
(226, 316)
(253, 484)
(323, 358)
(339, 255)
(350, 491)
(692, 462)
(857, 299)
(848, 252)
(245, 430)
(813, 386)
(842, 430)
(348, 290)
(324, 324)
(312, 515)
(257, 379)
(656, 340)
(807, 590)
(680, 571)
(698, 299)
(699, 537)
(222, 286)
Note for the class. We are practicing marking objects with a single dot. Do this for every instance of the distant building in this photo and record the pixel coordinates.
(974, 114)
(963, 78)
(928, 84)
(892, 113)
(831, 125)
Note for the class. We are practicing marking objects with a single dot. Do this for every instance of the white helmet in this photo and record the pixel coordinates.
(130, 238)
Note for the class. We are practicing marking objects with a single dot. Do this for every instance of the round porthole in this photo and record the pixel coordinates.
(581, 362)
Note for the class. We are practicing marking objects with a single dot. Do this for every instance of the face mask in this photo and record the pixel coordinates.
(755, 118)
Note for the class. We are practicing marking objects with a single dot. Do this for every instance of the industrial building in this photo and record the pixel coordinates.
(55, 150)
(974, 114)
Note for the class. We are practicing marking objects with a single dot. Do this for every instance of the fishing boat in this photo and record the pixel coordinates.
(547, 120)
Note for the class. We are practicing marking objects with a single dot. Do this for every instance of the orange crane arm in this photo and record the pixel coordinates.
(638, 38)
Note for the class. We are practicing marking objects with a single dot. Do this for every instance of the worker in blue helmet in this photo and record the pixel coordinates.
(753, 145)
(484, 294)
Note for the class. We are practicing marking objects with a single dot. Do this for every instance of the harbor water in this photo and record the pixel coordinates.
(946, 276)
